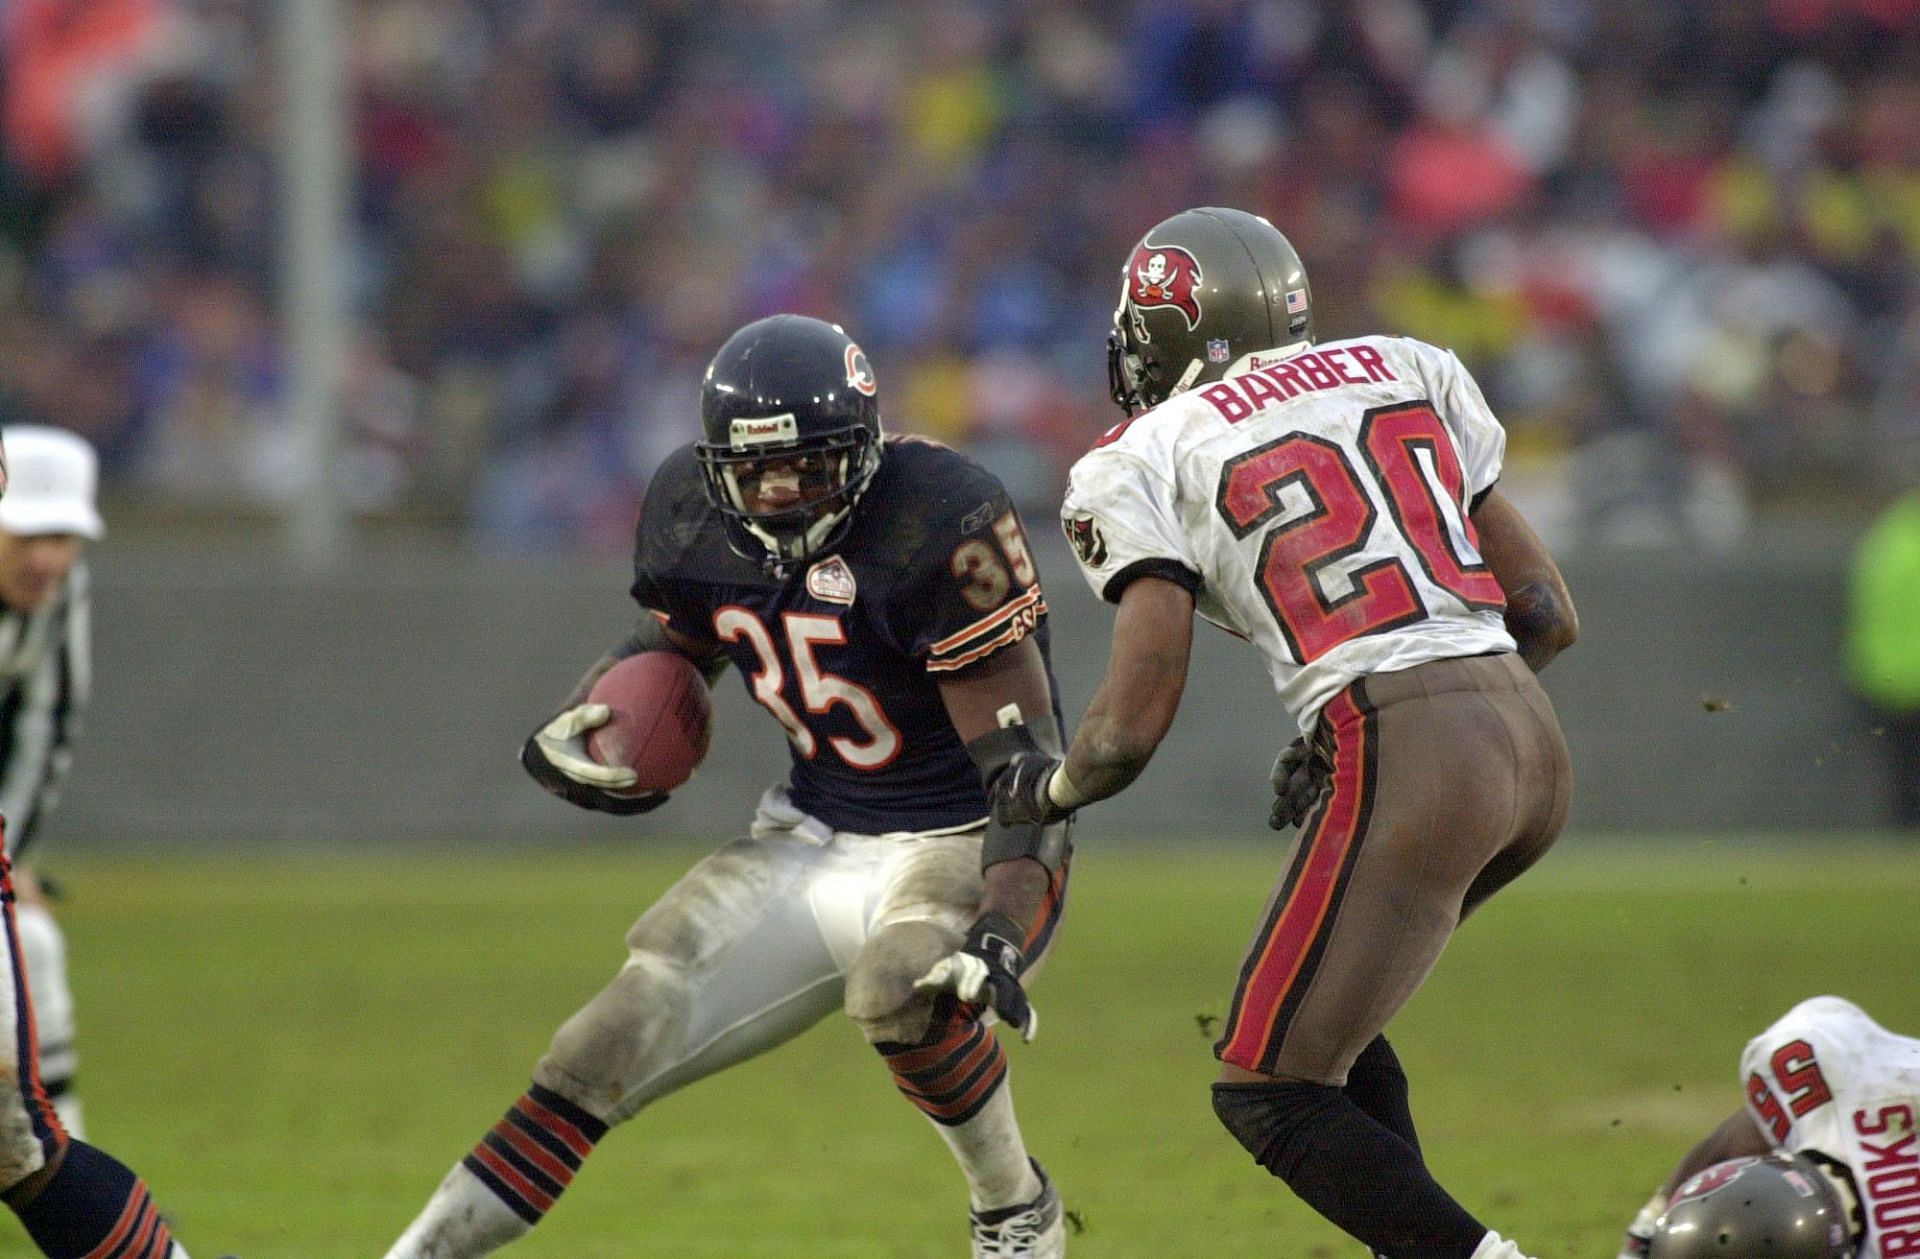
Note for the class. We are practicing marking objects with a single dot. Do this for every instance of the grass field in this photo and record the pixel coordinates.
(293, 1051)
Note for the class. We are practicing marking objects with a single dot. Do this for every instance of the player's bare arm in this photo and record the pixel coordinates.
(1540, 613)
(1138, 696)
(1035, 790)
(1002, 709)
(1737, 1137)
(974, 699)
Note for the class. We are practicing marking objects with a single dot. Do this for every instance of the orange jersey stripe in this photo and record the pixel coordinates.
(985, 623)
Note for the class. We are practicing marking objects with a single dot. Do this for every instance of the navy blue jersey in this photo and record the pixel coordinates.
(848, 652)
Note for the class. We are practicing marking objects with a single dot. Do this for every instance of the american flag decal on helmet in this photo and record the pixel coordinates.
(1296, 301)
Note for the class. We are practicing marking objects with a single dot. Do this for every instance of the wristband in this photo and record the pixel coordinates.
(1061, 790)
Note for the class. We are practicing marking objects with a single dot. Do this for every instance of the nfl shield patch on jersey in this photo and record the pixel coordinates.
(831, 581)
(1086, 539)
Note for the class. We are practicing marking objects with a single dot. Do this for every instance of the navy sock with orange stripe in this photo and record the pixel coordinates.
(94, 1207)
(951, 1072)
(530, 1157)
(957, 1076)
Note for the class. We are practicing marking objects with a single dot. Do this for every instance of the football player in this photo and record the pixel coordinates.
(1822, 1161)
(46, 669)
(73, 1199)
(1335, 505)
(879, 599)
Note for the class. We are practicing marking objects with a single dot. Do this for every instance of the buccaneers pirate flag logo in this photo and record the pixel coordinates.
(1165, 275)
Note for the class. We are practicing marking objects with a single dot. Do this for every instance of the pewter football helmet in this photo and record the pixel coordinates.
(1200, 291)
(1779, 1205)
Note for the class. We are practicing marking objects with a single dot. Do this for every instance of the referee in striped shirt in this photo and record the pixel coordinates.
(47, 516)
(76, 1201)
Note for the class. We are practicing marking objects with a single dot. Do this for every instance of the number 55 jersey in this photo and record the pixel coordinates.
(1828, 1081)
(1317, 502)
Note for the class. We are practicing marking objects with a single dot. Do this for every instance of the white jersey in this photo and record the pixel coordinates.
(1828, 1079)
(1316, 501)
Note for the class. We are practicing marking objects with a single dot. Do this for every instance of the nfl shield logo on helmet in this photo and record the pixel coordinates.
(1217, 350)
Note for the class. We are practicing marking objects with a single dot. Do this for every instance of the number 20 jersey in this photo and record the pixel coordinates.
(848, 652)
(1827, 1079)
(1316, 503)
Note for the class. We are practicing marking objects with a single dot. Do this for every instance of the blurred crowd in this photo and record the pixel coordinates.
(1676, 239)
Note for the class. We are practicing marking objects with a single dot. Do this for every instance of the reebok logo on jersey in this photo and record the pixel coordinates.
(831, 581)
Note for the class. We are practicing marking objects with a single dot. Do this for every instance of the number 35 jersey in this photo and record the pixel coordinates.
(1317, 503)
(848, 652)
(1827, 1079)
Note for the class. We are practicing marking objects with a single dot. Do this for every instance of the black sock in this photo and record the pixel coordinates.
(1349, 1168)
(94, 1203)
(1378, 1086)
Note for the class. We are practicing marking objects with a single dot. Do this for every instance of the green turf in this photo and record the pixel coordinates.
(294, 1051)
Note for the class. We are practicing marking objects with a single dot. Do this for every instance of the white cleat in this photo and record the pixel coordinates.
(1025, 1230)
(1494, 1246)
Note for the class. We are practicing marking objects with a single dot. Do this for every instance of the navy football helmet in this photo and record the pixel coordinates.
(797, 395)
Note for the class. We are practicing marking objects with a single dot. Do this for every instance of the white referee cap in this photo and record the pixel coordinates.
(51, 475)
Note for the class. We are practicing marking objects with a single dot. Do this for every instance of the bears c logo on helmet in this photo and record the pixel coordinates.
(1165, 275)
(859, 374)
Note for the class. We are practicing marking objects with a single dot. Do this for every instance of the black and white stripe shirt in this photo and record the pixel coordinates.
(46, 675)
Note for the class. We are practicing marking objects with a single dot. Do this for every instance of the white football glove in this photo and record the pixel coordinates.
(1640, 1233)
(563, 741)
(986, 971)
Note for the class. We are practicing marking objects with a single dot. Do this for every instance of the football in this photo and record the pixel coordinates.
(662, 719)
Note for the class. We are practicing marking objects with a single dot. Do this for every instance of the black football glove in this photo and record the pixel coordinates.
(543, 771)
(1299, 777)
(1017, 796)
(986, 971)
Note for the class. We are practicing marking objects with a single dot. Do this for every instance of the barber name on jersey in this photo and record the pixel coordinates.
(1323, 498)
(1281, 380)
